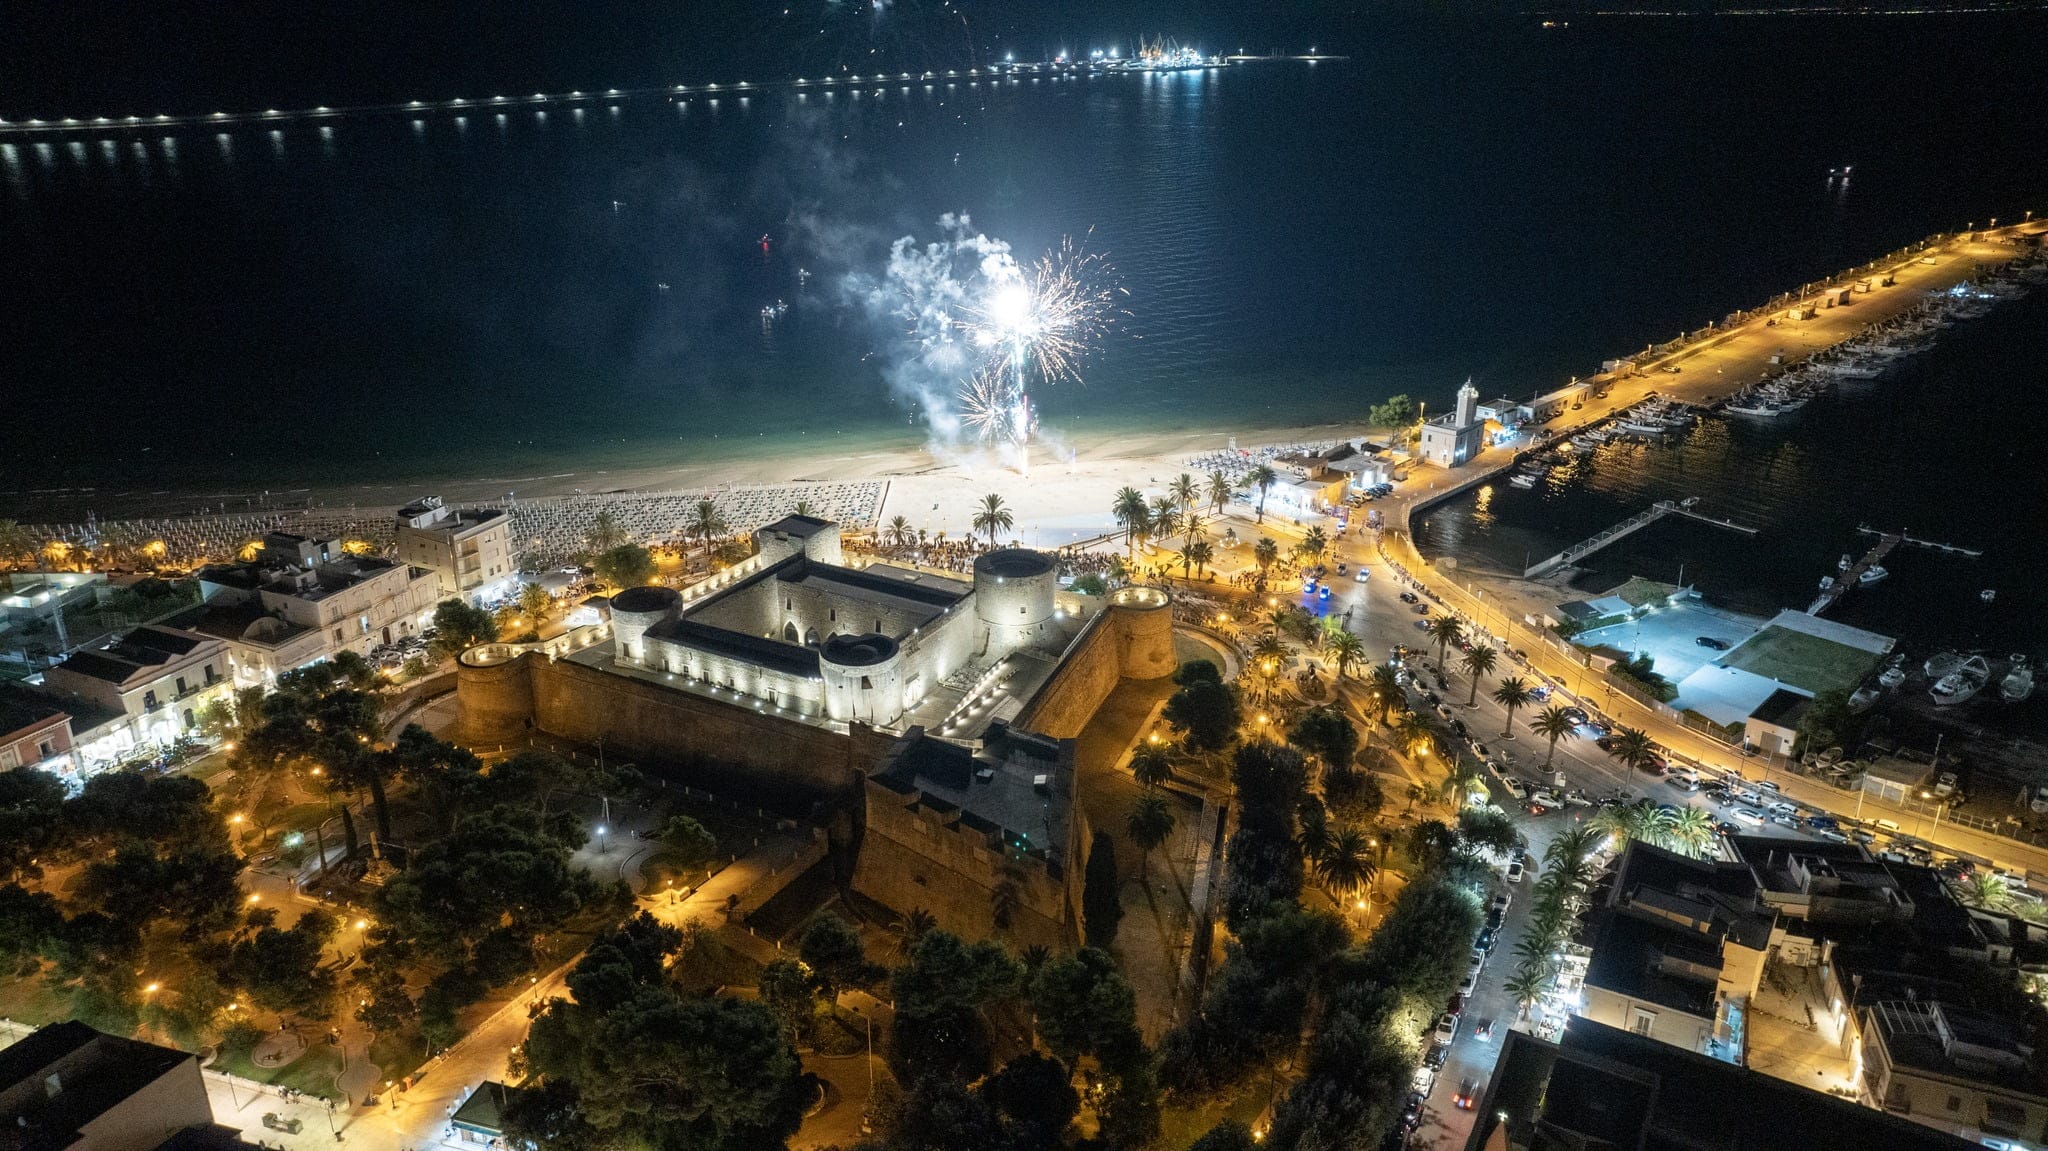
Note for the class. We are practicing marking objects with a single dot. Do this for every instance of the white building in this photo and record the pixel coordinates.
(1450, 441)
(470, 549)
(304, 600)
(153, 681)
(806, 633)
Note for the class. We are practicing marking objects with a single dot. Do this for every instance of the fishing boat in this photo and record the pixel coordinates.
(1756, 407)
(2018, 683)
(1961, 684)
(1941, 664)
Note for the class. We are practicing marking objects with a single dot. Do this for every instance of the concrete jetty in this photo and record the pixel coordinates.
(1629, 526)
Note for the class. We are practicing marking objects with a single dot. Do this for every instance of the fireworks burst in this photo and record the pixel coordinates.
(994, 408)
(1046, 318)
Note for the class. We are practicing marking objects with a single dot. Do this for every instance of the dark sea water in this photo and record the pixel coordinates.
(193, 311)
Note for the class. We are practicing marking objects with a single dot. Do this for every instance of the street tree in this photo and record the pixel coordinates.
(1219, 492)
(535, 603)
(282, 970)
(992, 517)
(1344, 649)
(1512, 694)
(459, 627)
(1444, 630)
(627, 565)
(1262, 477)
(1478, 663)
(1131, 510)
(1325, 733)
(706, 523)
(1205, 712)
(1554, 723)
(1149, 824)
(832, 949)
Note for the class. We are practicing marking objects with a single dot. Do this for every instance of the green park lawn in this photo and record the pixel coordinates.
(1804, 661)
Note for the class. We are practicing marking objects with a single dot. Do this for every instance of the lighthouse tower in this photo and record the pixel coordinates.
(1468, 405)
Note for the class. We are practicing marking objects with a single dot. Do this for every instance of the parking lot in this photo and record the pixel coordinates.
(1671, 637)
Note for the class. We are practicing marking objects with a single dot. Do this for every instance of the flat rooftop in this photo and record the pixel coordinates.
(994, 789)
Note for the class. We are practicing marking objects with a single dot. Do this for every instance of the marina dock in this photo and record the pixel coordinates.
(1634, 523)
(1950, 549)
(1850, 576)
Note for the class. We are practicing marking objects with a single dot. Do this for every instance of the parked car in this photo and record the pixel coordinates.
(1749, 815)
(1488, 940)
(1470, 983)
(1945, 784)
(1516, 788)
(1409, 597)
(1515, 871)
(1420, 609)
(1822, 822)
(1545, 799)
(1446, 1029)
(1711, 642)
(1501, 901)
(1576, 715)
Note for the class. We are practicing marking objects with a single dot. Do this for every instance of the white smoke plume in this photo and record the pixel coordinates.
(918, 301)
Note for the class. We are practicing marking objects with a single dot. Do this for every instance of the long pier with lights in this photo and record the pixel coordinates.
(74, 125)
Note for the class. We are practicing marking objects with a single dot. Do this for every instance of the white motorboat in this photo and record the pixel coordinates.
(1892, 676)
(1962, 684)
(1843, 564)
(1522, 480)
(1872, 574)
(2018, 683)
(1988, 594)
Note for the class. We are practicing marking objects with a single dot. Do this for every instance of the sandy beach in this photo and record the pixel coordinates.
(1063, 497)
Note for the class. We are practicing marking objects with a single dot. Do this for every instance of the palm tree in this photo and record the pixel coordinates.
(1987, 889)
(1151, 765)
(1527, 985)
(1262, 478)
(1148, 825)
(1477, 663)
(899, 531)
(803, 508)
(706, 523)
(1385, 683)
(1445, 630)
(1344, 650)
(1193, 526)
(1573, 845)
(1265, 553)
(1314, 543)
(1346, 865)
(1461, 779)
(1201, 551)
(1269, 652)
(1554, 724)
(1419, 793)
(1512, 694)
(993, 517)
(604, 534)
(1184, 491)
(1415, 730)
(1692, 829)
(1131, 511)
(1633, 747)
(1315, 837)
(17, 546)
(911, 927)
(1165, 517)
(1219, 491)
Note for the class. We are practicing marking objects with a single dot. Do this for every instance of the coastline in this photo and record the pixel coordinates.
(930, 489)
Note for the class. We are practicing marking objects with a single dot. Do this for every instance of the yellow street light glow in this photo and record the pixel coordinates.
(152, 989)
(362, 923)
(253, 897)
